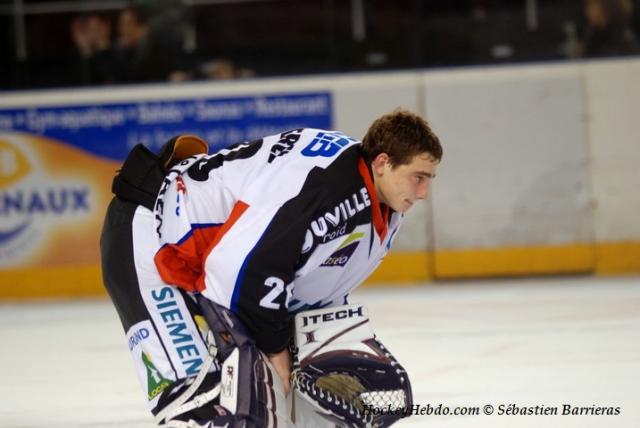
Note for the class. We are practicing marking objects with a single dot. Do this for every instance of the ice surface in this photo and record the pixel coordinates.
(545, 342)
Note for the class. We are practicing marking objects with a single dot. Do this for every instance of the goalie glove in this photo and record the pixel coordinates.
(344, 372)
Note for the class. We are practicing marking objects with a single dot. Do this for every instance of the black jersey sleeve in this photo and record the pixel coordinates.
(265, 282)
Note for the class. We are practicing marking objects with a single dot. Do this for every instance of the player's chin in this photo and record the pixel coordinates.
(404, 206)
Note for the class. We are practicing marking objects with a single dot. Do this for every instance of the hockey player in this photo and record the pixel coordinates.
(207, 258)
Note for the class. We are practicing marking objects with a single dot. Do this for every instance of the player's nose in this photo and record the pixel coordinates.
(423, 190)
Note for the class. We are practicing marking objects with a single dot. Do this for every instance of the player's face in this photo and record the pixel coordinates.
(401, 186)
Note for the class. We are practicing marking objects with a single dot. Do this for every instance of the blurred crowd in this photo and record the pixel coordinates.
(590, 29)
(610, 29)
(174, 40)
(145, 44)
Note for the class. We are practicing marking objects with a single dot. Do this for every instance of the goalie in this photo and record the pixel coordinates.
(208, 258)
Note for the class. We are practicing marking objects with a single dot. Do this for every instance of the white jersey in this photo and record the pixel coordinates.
(274, 226)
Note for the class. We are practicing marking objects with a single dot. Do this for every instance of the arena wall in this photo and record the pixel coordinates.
(539, 176)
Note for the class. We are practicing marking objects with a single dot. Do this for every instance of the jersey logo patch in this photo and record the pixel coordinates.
(332, 224)
(156, 383)
(345, 251)
(326, 144)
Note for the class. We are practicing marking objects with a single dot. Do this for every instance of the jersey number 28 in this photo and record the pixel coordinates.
(277, 288)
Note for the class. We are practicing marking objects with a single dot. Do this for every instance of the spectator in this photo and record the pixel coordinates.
(91, 35)
(141, 56)
(608, 29)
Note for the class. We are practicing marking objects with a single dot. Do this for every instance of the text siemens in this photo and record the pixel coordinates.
(173, 319)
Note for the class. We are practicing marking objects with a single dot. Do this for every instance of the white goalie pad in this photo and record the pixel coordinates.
(342, 373)
(325, 330)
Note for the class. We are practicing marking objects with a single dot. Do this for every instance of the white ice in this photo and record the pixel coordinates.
(545, 342)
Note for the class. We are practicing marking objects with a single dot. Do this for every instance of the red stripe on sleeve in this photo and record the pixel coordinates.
(238, 209)
(182, 264)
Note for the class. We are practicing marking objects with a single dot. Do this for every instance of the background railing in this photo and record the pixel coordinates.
(69, 43)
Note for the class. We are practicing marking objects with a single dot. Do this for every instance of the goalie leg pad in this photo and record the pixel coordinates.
(249, 386)
(344, 372)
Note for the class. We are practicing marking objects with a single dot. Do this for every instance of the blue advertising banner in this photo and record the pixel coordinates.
(111, 130)
(57, 163)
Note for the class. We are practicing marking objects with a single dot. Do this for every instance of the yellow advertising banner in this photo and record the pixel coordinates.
(52, 204)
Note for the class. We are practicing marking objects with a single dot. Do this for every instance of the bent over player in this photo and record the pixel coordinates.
(230, 273)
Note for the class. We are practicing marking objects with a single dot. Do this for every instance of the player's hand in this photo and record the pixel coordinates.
(281, 362)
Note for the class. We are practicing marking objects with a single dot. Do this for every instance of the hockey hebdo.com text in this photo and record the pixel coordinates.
(501, 409)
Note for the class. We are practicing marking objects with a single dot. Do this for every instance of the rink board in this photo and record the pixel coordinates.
(539, 174)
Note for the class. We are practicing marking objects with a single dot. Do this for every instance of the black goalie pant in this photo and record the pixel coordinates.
(164, 327)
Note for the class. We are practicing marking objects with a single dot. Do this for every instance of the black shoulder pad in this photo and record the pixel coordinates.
(140, 177)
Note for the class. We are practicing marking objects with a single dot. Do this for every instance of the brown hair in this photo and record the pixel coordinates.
(402, 135)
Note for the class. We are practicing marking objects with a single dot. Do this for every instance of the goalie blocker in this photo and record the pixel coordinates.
(342, 374)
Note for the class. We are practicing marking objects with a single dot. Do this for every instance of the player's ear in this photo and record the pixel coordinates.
(379, 163)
